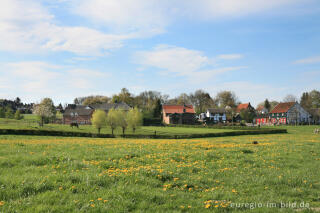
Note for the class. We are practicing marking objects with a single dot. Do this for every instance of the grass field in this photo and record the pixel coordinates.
(56, 174)
(30, 123)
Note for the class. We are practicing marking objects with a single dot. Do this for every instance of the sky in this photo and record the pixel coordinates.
(64, 49)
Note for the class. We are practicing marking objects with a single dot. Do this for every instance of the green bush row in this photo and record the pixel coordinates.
(92, 135)
(217, 126)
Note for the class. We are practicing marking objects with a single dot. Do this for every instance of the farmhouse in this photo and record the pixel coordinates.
(82, 114)
(289, 113)
(77, 114)
(178, 114)
(214, 116)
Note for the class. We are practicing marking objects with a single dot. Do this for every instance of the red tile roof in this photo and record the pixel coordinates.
(282, 107)
(259, 108)
(242, 106)
(178, 109)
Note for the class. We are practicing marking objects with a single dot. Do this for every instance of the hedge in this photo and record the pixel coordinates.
(92, 135)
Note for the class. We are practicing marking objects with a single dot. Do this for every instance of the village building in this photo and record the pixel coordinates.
(214, 116)
(262, 117)
(289, 113)
(77, 114)
(82, 114)
(178, 114)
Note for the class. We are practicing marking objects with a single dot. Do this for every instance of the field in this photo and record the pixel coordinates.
(228, 174)
(30, 123)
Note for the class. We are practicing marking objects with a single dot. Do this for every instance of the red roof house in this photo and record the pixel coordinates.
(246, 106)
(178, 114)
(283, 107)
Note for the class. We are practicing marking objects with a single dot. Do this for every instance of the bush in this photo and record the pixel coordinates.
(185, 136)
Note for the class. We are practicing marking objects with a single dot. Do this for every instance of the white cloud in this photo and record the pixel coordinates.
(311, 60)
(152, 16)
(229, 56)
(27, 26)
(181, 62)
(35, 80)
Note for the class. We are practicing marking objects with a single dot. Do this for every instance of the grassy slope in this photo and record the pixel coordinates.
(41, 174)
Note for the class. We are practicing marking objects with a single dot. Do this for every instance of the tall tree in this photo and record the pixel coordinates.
(290, 98)
(44, 110)
(267, 105)
(134, 119)
(315, 97)
(202, 101)
(112, 119)
(122, 120)
(227, 98)
(99, 119)
(306, 101)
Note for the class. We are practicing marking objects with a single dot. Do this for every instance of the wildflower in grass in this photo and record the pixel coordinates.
(99, 198)
(60, 188)
(175, 179)
(73, 187)
(234, 191)
(105, 201)
(189, 207)
(92, 205)
(1, 203)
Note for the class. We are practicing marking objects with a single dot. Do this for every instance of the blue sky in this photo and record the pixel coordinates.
(68, 48)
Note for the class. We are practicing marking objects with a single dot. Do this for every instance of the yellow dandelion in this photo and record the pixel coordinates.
(92, 205)
(73, 187)
(60, 188)
(1, 203)
(105, 201)
(207, 206)
(99, 198)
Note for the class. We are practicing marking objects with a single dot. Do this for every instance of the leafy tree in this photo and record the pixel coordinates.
(2, 112)
(99, 119)
(17, 115)
(112, 119)
(306, 101)
(9, 113)
(247, 115)
(95, 100)
(226, 98)
(134, 119)
(157, 109)
(315, 98)
(44, 110)
(124, 96)
(201, 100)
(122, 120)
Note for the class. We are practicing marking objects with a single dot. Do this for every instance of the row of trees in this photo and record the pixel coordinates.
(150, 101)
(117, 118)
(7, 112)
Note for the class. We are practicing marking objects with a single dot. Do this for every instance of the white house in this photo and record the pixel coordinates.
(214, 116)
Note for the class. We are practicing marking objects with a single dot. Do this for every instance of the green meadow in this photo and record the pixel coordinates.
(228, 174)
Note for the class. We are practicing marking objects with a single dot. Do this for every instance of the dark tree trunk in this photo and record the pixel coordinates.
(99, 130)
(123, 129)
